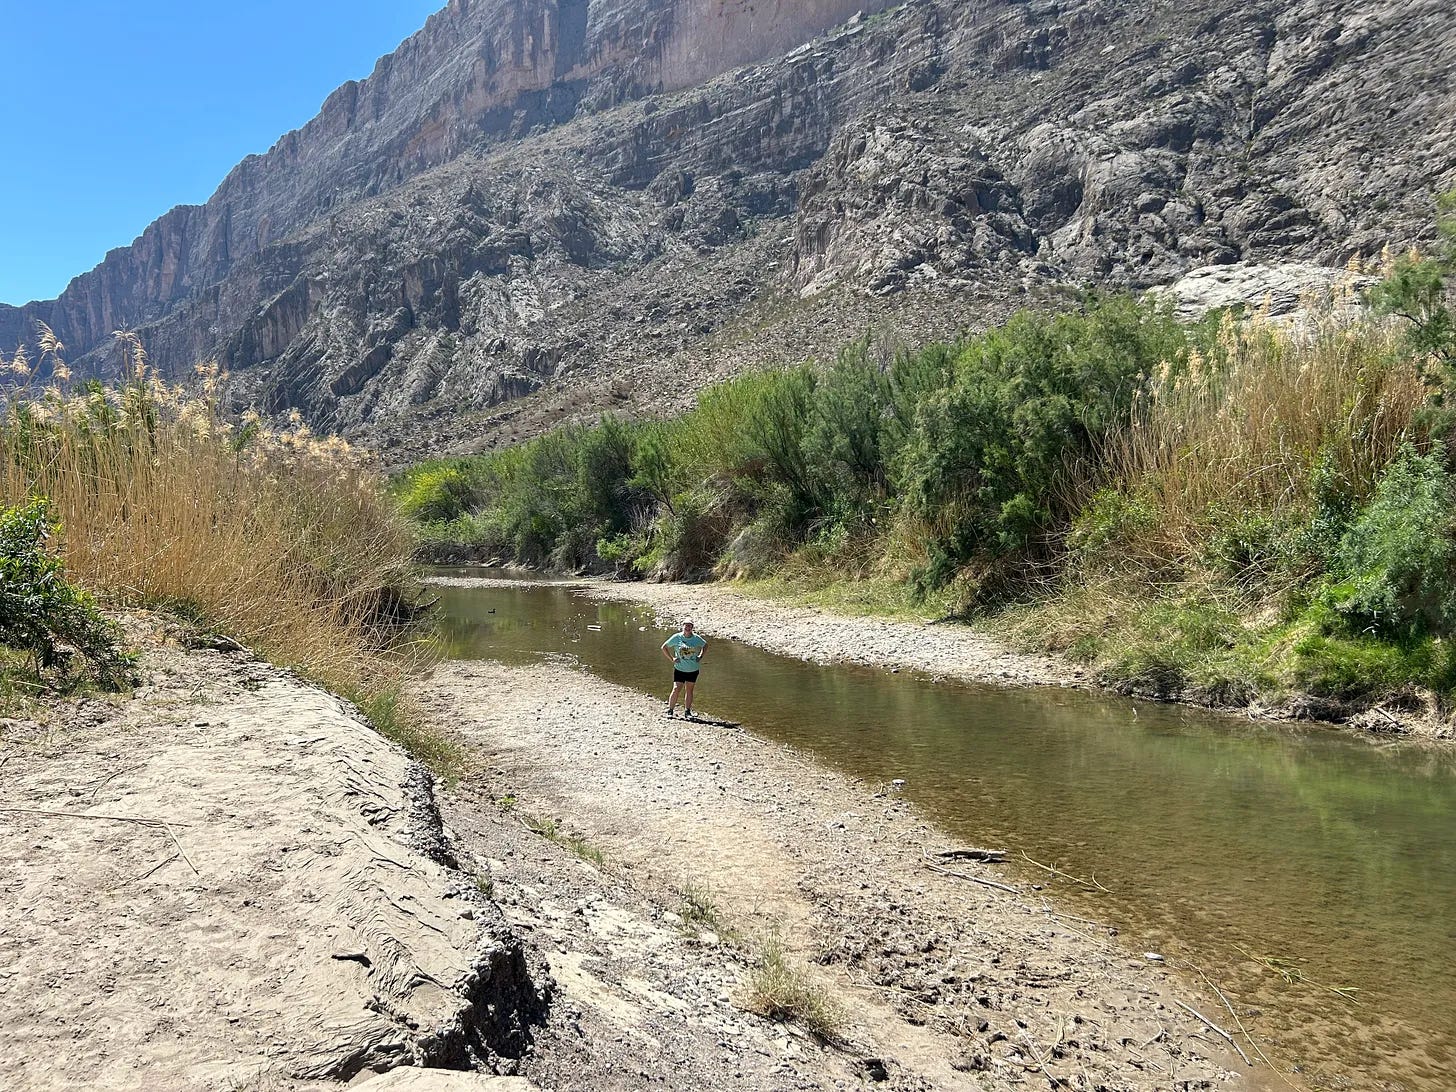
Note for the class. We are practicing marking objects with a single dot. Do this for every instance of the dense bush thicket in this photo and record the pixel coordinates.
(976, 450)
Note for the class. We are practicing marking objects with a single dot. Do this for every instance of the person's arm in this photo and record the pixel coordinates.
(666, 652)
(702, 649)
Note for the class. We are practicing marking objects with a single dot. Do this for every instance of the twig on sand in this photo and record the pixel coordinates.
(100, 784)
(173, 835)
(989, 856)
(1057, 1082)
(140, 820)
(973, 879)
(155, 869)
(1246, 1032)
(1046, 909)
(1214, 1028)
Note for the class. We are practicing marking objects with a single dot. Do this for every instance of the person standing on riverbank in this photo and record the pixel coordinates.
(685, 650)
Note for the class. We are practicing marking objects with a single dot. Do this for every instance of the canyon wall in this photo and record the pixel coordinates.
(612, 193)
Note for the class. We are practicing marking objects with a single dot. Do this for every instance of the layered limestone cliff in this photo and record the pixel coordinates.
(622, 198)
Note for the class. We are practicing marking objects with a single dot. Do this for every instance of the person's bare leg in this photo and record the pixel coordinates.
(672, 699)
(688, 698)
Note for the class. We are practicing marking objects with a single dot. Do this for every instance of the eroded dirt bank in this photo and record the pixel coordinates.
(944, 983)
(229, 882)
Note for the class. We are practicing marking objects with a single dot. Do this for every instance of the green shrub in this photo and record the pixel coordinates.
(46, 617)
(987, 462)
(436, 494)
(1109, 517)
(1397, 561)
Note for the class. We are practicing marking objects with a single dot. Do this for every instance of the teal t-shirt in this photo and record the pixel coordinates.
(685, 651)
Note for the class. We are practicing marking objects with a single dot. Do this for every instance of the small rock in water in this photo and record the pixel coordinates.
(899, 782)
(1153, 957)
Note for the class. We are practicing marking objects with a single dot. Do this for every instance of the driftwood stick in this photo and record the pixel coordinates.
(173, 835)
(105, 780)
(1247, 1034)
(1046, 909)
(1040, 1062)
(990, 856)
(1215, 1028)
(1239, 1022)
(155, 869)
(973, 879)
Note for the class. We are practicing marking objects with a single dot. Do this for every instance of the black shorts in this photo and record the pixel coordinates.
(684, 676)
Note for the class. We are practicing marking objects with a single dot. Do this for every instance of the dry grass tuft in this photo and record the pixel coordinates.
(1243, 429)
(779, 990)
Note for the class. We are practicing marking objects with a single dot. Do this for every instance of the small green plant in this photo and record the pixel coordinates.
(586, 850)
(781, 991)
(1398, 559)
(506, 803)
(485, 885)
(551, 830)
(699, 909)
(47, 618)
(545, 826)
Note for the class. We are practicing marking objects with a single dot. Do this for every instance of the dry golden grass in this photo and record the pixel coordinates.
(779, 990)
(1242, 429)
(280, 539)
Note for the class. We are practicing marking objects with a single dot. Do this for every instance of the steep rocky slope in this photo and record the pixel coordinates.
(618, 200)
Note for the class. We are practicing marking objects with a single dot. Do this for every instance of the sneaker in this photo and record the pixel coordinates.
(688, 714)
(671, 711)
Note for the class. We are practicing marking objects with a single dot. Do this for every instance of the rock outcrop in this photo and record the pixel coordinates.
(624, 197)
(254, 883)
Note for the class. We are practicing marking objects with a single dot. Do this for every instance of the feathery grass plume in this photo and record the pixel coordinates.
(280, 539)
(1251, 425)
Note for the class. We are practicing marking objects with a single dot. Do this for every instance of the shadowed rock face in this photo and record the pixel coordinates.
(618, 194)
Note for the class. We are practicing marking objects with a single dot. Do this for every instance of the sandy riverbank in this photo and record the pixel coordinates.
(944, 982)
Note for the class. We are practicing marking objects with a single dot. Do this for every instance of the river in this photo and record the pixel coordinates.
(1308, 871)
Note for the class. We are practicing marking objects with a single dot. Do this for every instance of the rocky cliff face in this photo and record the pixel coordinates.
(619, 199)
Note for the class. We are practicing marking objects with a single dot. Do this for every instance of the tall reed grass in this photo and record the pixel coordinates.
(1249, 426)
(281, 539)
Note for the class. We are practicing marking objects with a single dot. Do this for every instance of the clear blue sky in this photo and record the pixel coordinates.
(113, 112)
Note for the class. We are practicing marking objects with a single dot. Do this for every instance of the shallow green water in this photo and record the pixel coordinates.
(1326, 853)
